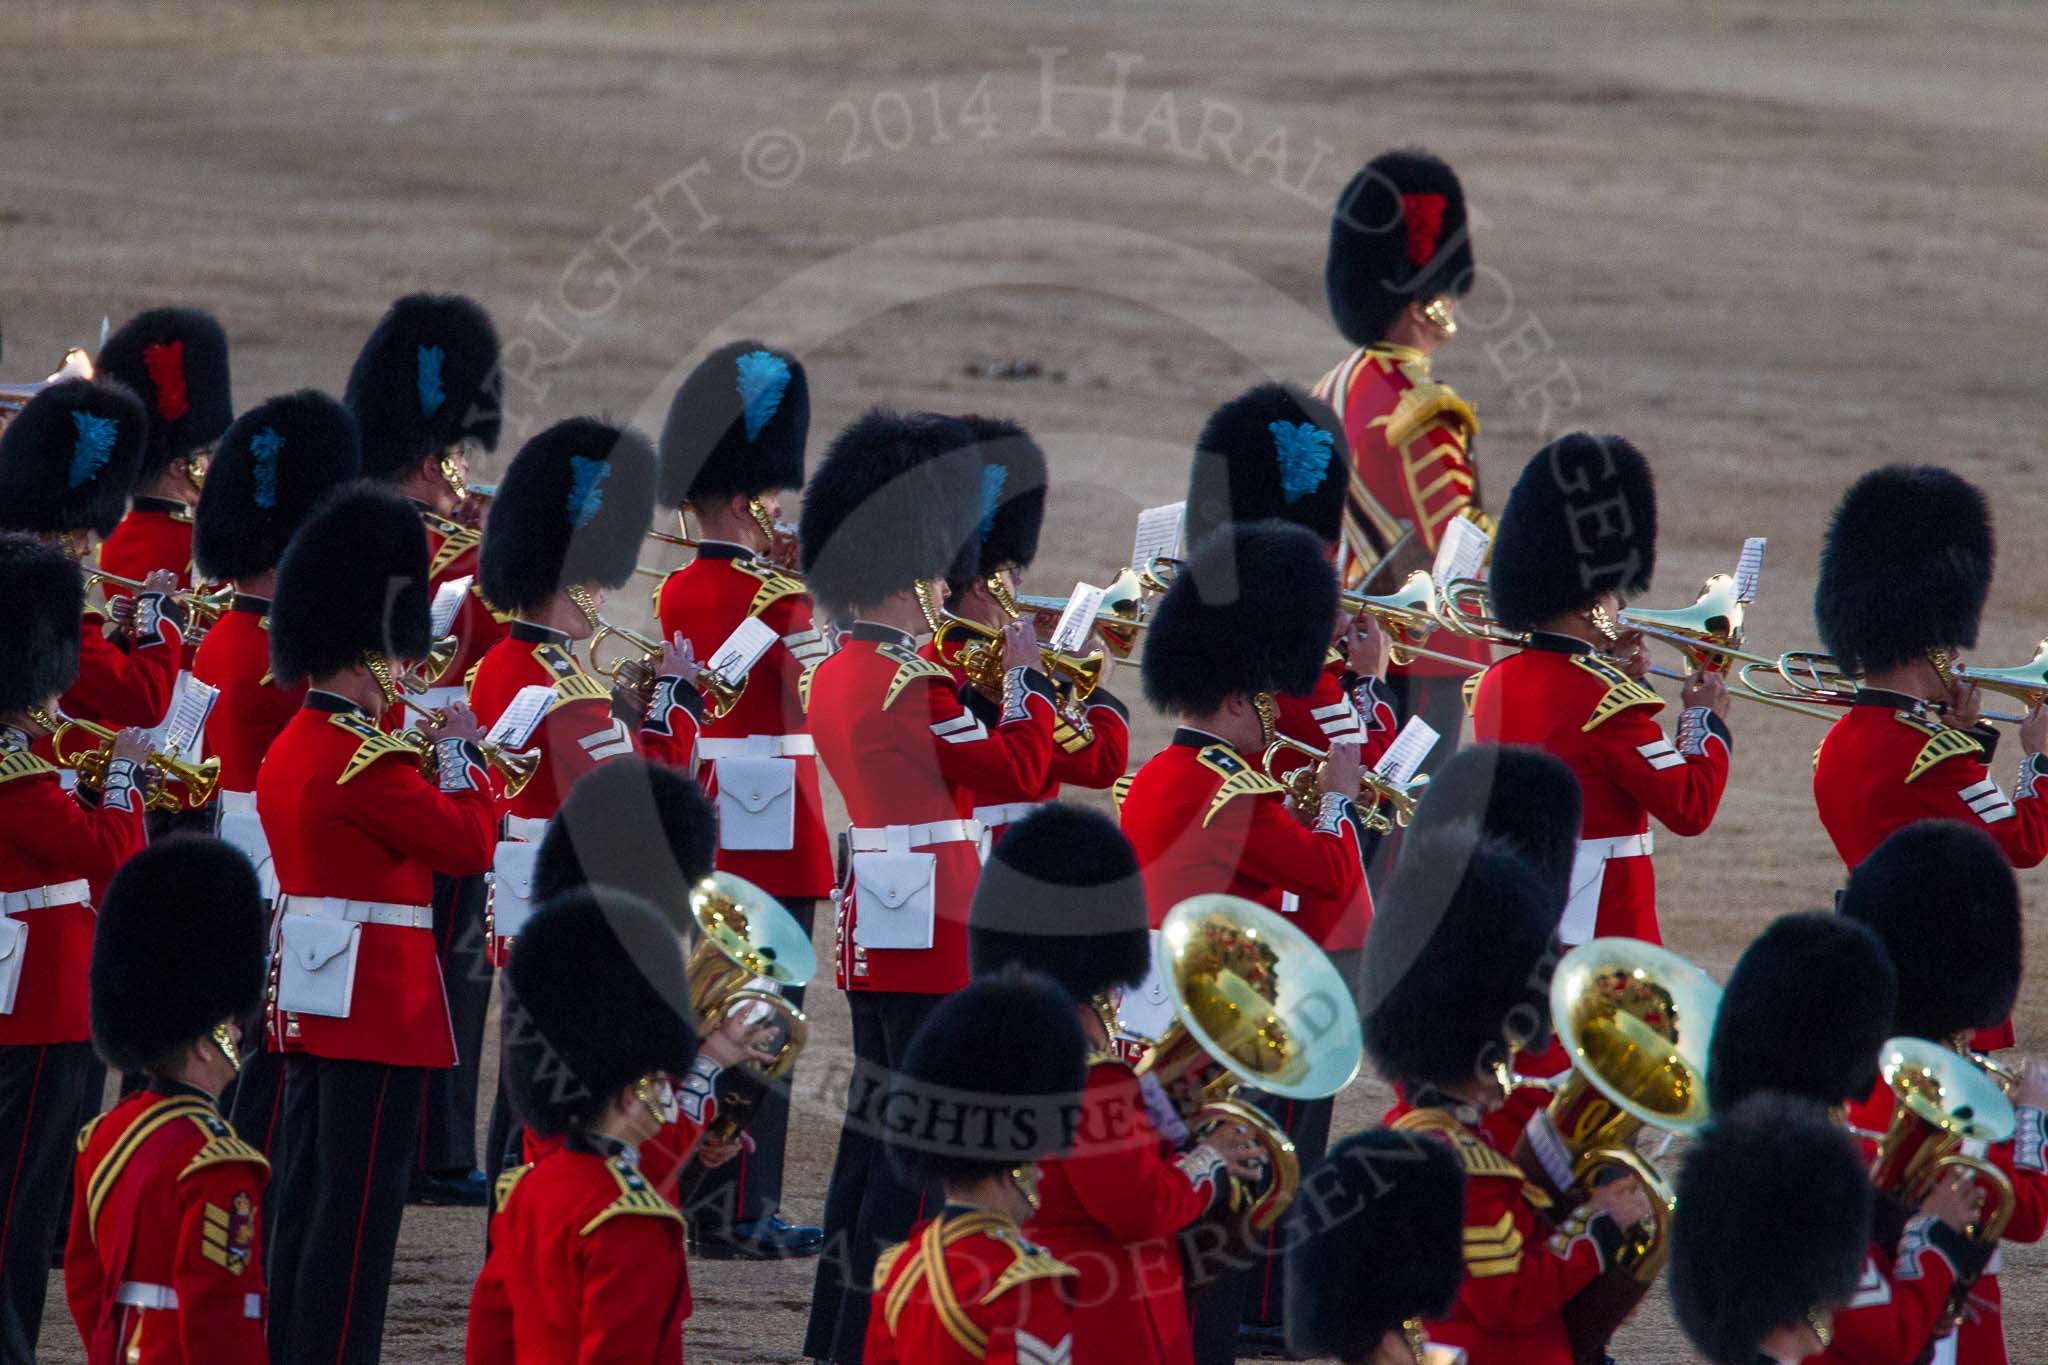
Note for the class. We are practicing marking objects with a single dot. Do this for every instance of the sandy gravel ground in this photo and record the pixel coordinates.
(1774, 246)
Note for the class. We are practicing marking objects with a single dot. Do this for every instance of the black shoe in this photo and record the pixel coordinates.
(1261, 1343)
(460, 1189)
(764, 1239)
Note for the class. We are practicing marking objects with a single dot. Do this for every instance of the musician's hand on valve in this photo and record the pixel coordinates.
(1343, 770)
(1966, 707)
(712, 1153)
(1705, 688)
(1020, 645)
(459, 722)
(679, 659)
(1624, 1200)
(2032, 1091)
(2034, 730)
(1368, 649)
(133, 745)
(1954, 1201)
(1239, 1150)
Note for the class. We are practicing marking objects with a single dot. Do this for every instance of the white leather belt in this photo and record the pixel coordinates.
(44, 897)
(525, 828)
(1621, 846)
(759, 746)
(237, 803)
(141, 1294)
(361, 912)
(440, 698)
(992, 816)
(916, 836)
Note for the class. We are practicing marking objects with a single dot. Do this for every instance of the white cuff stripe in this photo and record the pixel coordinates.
(956, 735)
(1971, 793)
(965, 720)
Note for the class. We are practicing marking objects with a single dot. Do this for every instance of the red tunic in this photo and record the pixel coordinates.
(167, 1202)
(663, 1156)
(904, 752)
(156, 534)
(1411, 466)
(2024, 1160)
(1521, 1265)
(348, 815)
(706, 600)
(1094, 759)
(47, 839)
(253, 708)
(586, 1266)
(1203, 818)
(128, 683)
(967, 1287)
(452, 553)
(1113, 1208)
(1896, 1303)
(1560, 697)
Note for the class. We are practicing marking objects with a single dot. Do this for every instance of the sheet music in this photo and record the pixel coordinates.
(1749, 569)
(447, 602)
(742, 649)
(188, 717)
(1077, 619)
(1160, 531)
(516, 725)
(1461, 553)
(1404, 756)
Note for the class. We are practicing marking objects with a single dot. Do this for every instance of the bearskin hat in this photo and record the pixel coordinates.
(1015, 1031)
(1383, 1243)
(176, 361)
(573, 508)
(427, 379)
(178, 947)
(1774, 1214)
(277, 460)
(1805, 1012)
(353, 581)
(894, 499)
(1252, 611)
(598, 998)
(736, 426)
(68, 458)
(645, 828)
(1399, 236)
(1013, 483)
(1580, 521)
(1061, 894)
(1905, 568)
(1271, 453)
(1455, 958)
(1944, 900)
(42, 590)
(1521, 796)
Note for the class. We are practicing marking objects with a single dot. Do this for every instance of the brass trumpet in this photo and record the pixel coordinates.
(164, 775)
(1304, 786)
(1255, 1003)
(202, 609)
(638, 669)
(516, 769)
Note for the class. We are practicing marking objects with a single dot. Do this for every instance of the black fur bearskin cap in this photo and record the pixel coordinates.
(573, 509)
(1253, 611)
(176, 361)
(893, 501)
(1271, 453)
(42, 591)
(274, 464)
(1806, 1010)
(644, 828)
(1580, 521)
(427, 379)
(1399, 236)
(736, 426)
(1905, 568)
(1061, 894)
(353, 581)
(68, 458)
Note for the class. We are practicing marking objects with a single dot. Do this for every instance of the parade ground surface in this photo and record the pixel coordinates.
(1774, 246)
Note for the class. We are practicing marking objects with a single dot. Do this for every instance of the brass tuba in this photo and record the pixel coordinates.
(169, 781)
(1255, 1003)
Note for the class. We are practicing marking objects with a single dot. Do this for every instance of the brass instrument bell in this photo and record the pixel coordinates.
(750, 947)
(1387, 804)
(165, 774)
(1940, 1101)
(977, 651)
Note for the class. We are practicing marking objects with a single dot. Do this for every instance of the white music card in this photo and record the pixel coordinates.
(1462, 551)
(1749, 569)
(1077, 619)
(187, 720)
(518, 721)
(447, 602)
(1160, 532)
(743, 649)
(1404, 756)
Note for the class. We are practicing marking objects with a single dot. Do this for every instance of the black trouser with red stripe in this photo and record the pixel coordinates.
(340, 1171)
(866, 1207)
(42, 1096)
(749, 1187)
(448, 1127)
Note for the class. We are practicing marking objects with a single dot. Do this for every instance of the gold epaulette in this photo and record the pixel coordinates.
(375, 745)
(636, 1197)
(1474, 1155)
(1239, 778)
(1943, 742)
(503, 618)
(1120, 789)
(1031, 1263)
(910, 666)
(1469, 690)
(85, 1132)
(885, 1263)
(1427, 401)
(775, 584)
(457, 540)
(1622, 690)
(23, 763)
(508, 1181)
(803, 688)
(571, 681)
(223, 1147)
(469, 678)
(146, 1125)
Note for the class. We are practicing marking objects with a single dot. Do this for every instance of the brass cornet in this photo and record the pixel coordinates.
(1304, 786)
(977, 651)
(202, 609)
(1117, 621)
(638, 669)
(515, 769)
(170, 781)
